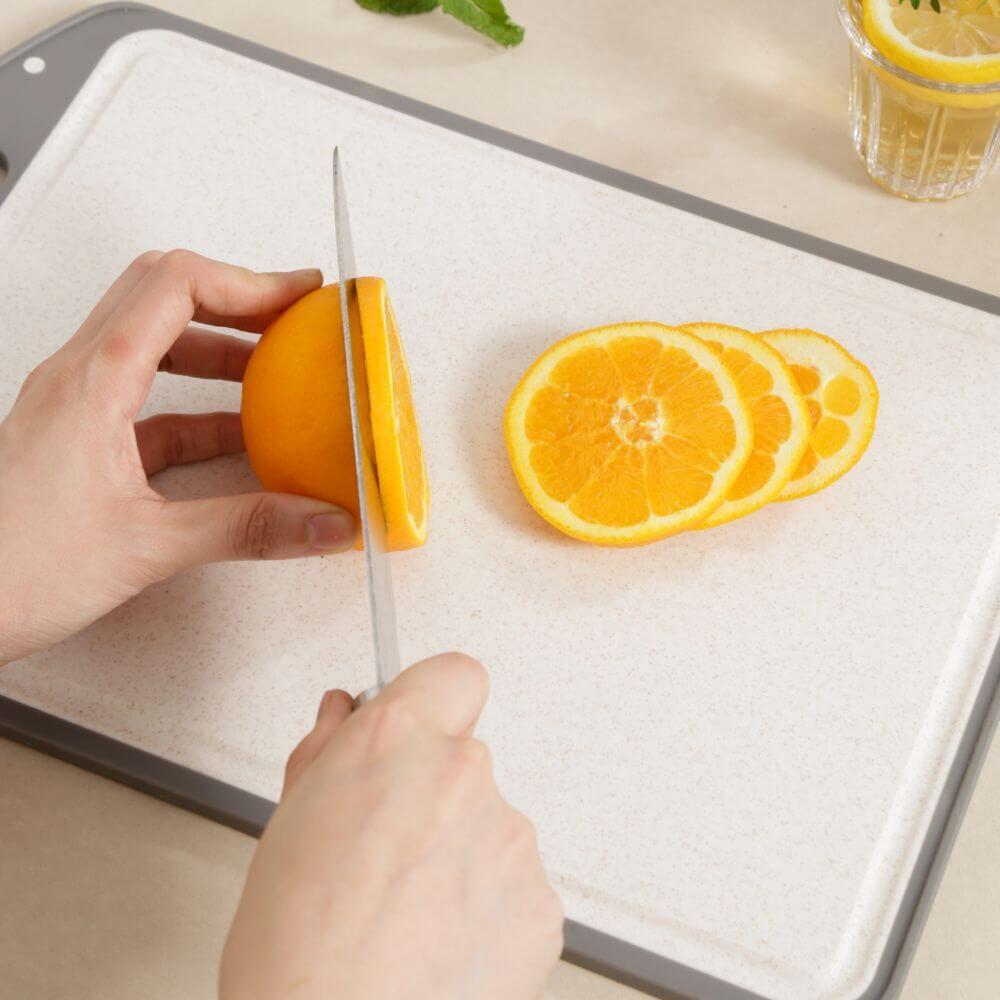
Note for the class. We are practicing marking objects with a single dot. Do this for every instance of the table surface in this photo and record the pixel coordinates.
(110, 894)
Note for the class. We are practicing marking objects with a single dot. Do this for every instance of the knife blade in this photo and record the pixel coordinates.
(373, 529)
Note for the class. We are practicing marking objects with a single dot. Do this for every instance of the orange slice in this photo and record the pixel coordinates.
(842, 398)
(296, 416)
(781, 421)
(628, 433)
(402, 473)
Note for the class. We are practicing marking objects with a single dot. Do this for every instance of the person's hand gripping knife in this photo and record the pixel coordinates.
(393, 867)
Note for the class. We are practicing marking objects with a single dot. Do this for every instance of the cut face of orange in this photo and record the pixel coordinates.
(781, 421)
(628, 433)
(296, 417)
(843, 401)
(402, 473)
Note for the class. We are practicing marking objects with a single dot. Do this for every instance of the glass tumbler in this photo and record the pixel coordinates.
(918, 138)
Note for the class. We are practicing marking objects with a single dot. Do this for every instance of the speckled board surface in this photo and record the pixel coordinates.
(731, 742)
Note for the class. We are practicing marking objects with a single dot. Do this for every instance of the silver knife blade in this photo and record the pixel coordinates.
(373, 530)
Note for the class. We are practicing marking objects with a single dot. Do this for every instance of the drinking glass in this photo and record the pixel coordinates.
(918, 138)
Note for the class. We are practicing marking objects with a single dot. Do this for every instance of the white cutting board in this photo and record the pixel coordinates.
(731, 741)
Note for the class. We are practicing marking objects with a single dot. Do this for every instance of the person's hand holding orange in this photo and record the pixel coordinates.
(81, 529)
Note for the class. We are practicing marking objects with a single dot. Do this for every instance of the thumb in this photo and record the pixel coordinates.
(255, 526)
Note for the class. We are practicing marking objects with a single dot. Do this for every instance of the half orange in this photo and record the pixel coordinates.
(296, 416)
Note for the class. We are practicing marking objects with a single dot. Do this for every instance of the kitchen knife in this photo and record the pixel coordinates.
(373, 528)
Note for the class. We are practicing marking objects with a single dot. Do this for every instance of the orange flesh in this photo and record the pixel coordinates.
(626, 430)
(408, 433)
(772, 421)
(840, 396)
(296, 417)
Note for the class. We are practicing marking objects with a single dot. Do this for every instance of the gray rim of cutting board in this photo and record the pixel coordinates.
(32, 104)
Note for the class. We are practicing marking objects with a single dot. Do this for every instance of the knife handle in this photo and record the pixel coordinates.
(366, 696)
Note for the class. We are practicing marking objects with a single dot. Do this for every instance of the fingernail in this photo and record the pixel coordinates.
(313, 274)
(332, 532)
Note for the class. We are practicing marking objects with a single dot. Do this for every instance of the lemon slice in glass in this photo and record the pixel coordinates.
(960, 44)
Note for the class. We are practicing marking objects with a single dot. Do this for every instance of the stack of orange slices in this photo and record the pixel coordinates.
(626, 434)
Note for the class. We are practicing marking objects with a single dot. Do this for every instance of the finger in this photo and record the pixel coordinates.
(180, 438)
(253, 526)
(121, 287)
(123, 284)
(249, 324)
(448, 692)
(143, 327)
(204, 354)
(184, 284)
(334, 708)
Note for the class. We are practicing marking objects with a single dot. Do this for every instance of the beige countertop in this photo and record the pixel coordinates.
(109, 894)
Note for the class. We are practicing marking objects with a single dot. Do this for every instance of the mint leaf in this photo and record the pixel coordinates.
(936, 4)
(398, 6)
(486, 16)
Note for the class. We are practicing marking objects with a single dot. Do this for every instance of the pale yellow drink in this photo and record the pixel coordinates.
(919, 138)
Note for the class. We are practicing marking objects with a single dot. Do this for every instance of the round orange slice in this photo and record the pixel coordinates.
(843, 401)
(296, 416)
(781, 421)
(628, 433)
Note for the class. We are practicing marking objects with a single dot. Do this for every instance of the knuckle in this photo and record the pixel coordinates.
(551, 915)
(460, 672)
(146, 261)
(463, 663)
(468, 764)
(295, 759)
(179, 261)
(254, 530)
(476, 755)
(56, 383)
(305, 751)
(31, 378)
(389, 724)
(117, 348)
(520, 833)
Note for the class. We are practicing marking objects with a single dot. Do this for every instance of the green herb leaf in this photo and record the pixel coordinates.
(398, 6)
(935, 4)
(486, 16)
